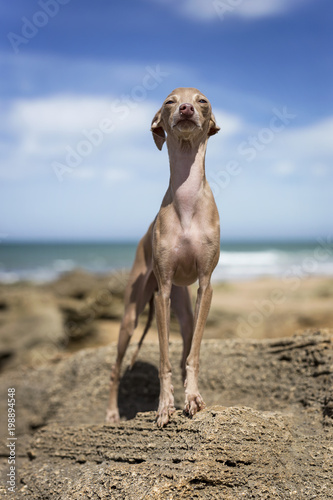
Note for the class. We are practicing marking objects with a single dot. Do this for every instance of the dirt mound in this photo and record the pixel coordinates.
(38, 322)
(272, 438)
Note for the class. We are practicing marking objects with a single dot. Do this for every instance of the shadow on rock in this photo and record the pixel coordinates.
(138, 390)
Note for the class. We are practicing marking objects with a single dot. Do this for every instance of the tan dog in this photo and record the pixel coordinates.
(181, 246)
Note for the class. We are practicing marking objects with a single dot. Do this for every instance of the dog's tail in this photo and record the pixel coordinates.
(148, 325)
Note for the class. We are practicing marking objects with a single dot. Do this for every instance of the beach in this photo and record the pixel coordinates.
(261, 289)
(80, 310)
(264, 308)
(265, 375)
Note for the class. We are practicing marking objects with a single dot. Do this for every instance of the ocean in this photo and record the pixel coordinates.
(45, 261)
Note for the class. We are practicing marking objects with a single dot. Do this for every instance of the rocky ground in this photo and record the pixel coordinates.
(267, 431)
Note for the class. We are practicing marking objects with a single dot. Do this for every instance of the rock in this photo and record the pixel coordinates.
(221, 453)
(272, 438)
(79, 284)
(39, 321)
(84, 298)
(31, 327)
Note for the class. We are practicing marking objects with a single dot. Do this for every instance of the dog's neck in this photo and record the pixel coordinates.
(187, 177)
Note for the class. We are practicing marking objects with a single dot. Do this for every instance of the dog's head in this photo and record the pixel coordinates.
(187, 115)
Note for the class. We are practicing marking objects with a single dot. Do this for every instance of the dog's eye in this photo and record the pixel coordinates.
(169, 102)
(203, 101)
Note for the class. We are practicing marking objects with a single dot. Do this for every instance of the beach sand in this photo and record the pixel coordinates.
(82, 310)
(257, 309)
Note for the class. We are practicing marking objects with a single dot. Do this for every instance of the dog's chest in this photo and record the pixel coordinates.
(189, 247)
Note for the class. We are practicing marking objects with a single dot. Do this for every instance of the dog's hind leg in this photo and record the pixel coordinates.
(139, 291)
(182, 307)
(145, 331)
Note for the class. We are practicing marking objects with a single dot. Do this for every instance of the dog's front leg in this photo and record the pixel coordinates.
(166, 402)
(193, 399)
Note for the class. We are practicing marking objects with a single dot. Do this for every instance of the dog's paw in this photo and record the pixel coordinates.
(193, 404)
(163, 414)
(112, 416)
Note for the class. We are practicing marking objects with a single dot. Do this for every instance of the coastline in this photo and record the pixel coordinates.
(39, 322)
(44, 262)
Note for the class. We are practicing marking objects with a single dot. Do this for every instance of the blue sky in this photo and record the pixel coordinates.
(80, 83)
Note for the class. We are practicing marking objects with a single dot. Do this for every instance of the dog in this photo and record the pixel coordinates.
(181, 246)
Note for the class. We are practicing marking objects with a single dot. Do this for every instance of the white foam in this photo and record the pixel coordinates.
(63, 265)
(265, 258)
(249, 265)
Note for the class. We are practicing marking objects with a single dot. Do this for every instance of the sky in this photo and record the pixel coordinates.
(80, 82)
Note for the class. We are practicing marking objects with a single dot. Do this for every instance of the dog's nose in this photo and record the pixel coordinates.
(186, 109)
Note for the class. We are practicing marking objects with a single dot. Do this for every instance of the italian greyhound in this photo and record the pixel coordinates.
(181, 246)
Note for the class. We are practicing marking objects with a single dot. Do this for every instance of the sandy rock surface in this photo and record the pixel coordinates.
(267, 431)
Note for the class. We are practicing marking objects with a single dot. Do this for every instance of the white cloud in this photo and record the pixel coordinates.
(320, 170)
(84, 173)
(114, 175)
(312, 140)
(210, 10)
(229, 124)
(306, 151)
(259, 8)
(44, 130)
(71, 114)
(58, 113)
(284, 168)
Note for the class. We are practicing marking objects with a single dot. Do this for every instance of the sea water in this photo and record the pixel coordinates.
(45, 261)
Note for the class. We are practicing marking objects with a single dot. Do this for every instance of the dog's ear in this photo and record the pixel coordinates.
(213, 128)
(158, 130)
